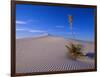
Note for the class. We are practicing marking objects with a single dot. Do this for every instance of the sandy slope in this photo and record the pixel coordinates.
(46, 54)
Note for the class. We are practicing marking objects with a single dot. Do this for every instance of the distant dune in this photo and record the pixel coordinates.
(32, 36)
(47, 54)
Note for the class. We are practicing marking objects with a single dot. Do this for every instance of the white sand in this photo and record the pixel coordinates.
(47, 54)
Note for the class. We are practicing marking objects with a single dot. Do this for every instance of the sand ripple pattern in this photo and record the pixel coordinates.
(62, 67)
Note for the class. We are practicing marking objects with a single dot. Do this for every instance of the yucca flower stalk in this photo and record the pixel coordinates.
(70, 19)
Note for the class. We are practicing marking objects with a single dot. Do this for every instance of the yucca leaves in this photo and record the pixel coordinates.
(75, 50)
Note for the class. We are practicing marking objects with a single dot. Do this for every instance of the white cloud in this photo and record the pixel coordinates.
(21, 29)
(36, 31)
(59, 26)
(21, 22)
(30, 30)
(25, 22)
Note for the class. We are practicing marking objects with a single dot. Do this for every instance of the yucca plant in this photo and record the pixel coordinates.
(74, 50)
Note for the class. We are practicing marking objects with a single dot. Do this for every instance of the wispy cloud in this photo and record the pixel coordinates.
(21, 22)
(59, 26)
(21, 29)
(30, 30)
(25, 22)
(36, 31)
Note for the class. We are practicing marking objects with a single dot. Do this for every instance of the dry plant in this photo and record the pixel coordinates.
(74, 50)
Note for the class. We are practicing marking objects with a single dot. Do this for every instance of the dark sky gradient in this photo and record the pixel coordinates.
(37, 19)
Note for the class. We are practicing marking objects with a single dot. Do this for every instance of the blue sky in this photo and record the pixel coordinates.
(32, 20)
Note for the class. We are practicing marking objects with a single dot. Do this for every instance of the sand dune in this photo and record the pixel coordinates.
(47, 54)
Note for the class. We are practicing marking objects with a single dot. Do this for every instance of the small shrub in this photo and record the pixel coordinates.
(74, 50)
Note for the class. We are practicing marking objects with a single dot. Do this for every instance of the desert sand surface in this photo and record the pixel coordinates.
(48, 53)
